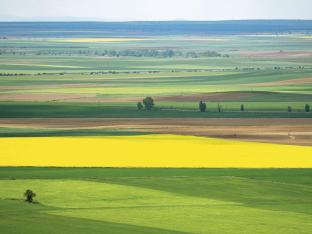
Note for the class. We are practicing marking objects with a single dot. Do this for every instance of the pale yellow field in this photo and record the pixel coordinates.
(150, 151)
(40, 65)
(87, 40)
(306, 37)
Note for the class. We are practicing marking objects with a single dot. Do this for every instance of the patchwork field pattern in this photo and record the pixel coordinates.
(68, 114)
(87, 80)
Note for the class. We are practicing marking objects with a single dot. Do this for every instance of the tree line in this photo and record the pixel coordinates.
(148, 104)
(161, 53)
(203, 107)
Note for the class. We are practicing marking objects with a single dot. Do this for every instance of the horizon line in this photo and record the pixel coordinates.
(129, 21)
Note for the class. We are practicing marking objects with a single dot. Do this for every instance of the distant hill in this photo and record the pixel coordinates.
(106, 29)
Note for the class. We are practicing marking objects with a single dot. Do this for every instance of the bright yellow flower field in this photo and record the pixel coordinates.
(150, 151)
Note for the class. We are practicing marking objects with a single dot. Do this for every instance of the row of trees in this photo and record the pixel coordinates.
(203, 107)
(148, 104)
(161, 53)
(306, 108)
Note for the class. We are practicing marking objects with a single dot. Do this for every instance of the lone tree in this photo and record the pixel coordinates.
(202, 106)
(242, 108)
(29, 195)
(289, 109)
(219, 108)
(148, 103)
(140, 106)
(307, 108)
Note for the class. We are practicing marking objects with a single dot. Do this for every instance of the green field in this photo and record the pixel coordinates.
(65, 110)
(106, 79)
(156, 200)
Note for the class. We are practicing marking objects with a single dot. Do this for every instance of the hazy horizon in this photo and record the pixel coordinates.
(74, 20)
(149, 10)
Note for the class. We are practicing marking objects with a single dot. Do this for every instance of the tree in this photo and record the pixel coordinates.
(307, 108)
(219, 108)
(242, 108)
(202, 106)
(148, 103)
(29, 195)
(289, 109)
(140, 106)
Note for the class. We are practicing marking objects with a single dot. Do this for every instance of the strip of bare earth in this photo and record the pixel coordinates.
(281, 131)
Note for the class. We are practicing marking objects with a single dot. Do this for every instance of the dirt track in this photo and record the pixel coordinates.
(284, 131)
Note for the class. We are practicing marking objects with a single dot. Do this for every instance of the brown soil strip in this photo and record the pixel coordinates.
(52, 86)
(43, 97)
(88, 98)
(307, 80)
(60, 97)
(134, 100)
(282, 131)
(278, 54)
(206, 97)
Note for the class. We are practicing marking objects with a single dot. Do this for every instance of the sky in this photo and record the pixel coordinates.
(128, 10)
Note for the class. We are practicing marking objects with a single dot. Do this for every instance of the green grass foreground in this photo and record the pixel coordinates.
(107, 200)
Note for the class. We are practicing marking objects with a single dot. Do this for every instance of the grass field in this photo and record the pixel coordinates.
(156, 200)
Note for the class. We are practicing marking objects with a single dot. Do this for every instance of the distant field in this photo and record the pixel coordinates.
(116, 39)
(165, 28)
(91, 76)
(105, 77)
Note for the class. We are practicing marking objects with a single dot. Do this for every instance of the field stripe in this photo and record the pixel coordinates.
(150, 151)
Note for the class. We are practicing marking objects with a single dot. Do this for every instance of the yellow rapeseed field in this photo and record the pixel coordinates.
(150, 151)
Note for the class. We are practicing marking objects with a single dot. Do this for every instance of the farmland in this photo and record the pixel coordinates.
(105, 77)
(71, 129)
(157, 200)
(169, 151)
